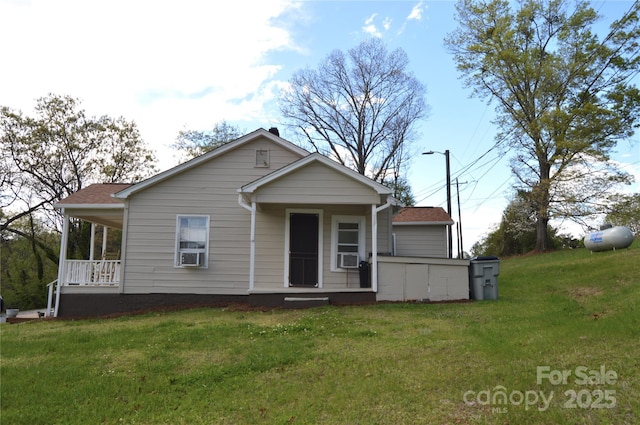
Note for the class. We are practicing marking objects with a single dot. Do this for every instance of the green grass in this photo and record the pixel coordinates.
(380, 364)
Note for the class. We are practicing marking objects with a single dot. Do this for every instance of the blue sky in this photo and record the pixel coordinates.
(171, 65)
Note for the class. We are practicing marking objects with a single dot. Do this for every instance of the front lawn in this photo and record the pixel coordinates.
(534, 356)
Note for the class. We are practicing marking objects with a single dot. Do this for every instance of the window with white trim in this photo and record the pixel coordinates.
(192, 240)
(347, 241)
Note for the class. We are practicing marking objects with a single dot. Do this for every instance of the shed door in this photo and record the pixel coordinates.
(303, 249)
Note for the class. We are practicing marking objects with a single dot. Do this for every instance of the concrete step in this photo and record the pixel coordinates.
(305, 302)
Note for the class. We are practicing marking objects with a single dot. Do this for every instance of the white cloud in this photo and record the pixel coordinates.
(414, 15)
(416, 12)
(386, 24)
(163, 64)
(370, 28)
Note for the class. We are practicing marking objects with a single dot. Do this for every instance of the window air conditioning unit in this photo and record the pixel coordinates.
(191, 259)
(348, 261)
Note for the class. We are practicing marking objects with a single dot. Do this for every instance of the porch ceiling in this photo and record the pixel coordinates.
(111, 217)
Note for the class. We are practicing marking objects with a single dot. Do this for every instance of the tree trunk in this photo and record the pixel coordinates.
(542, 200)
(542, 235)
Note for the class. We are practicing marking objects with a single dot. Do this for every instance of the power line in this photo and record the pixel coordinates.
(490, 195)
(465, 170)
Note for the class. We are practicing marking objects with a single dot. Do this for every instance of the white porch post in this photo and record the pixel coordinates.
(123, 246)
(105, 229)
(64, 242)
(93, 244)
(374, 248)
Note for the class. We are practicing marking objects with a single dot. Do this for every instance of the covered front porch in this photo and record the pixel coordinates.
(328, 218)
(102, 266)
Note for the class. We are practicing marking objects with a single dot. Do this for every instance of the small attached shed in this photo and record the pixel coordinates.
(422, 279)
(421, 232)
(420, 269)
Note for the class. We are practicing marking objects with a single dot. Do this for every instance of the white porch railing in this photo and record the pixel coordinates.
(91, 272)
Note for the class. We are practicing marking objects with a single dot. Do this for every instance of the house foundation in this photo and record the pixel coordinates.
(100, 305)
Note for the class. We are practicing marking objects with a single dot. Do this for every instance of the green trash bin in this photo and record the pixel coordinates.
(483, 278)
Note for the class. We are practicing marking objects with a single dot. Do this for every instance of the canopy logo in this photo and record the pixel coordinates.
(590, 393)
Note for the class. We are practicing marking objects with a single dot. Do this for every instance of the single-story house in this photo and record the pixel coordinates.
(258, 220)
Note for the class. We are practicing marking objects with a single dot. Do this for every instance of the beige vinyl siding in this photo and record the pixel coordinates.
(337, 280)
(316, 180)
(385, 231)
(270, 244)
(209, 189)
(421, 241)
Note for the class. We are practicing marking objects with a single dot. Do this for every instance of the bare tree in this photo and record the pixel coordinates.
(360, 108)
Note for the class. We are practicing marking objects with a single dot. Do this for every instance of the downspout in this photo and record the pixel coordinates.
(374, 240)
(252, 249)
(64, 242)
(374, 248)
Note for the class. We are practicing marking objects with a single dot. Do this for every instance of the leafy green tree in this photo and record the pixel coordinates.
(516, 233)
(193, 143)
(47, 157)
(61, 150)
(625, 211)
(401, 191)
(25, 268)
(361, 108)
(564, 95)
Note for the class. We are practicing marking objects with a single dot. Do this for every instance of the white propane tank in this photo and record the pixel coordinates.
(617, 237)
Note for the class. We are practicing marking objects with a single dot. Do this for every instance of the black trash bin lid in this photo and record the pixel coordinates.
(485, 258)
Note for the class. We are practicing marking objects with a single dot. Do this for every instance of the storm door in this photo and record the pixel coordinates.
(303, 249)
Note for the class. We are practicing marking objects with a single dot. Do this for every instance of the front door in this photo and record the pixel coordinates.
(303, 249)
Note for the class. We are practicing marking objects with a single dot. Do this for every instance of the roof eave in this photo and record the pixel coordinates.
(255, 185)
(422, 223)
(124, 194)
(60, 206)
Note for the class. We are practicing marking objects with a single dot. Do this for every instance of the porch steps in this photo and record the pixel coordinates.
(305, 302)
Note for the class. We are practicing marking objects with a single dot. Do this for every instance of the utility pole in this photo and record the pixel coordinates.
(446, 155)
(450, 232)
(460, 248)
